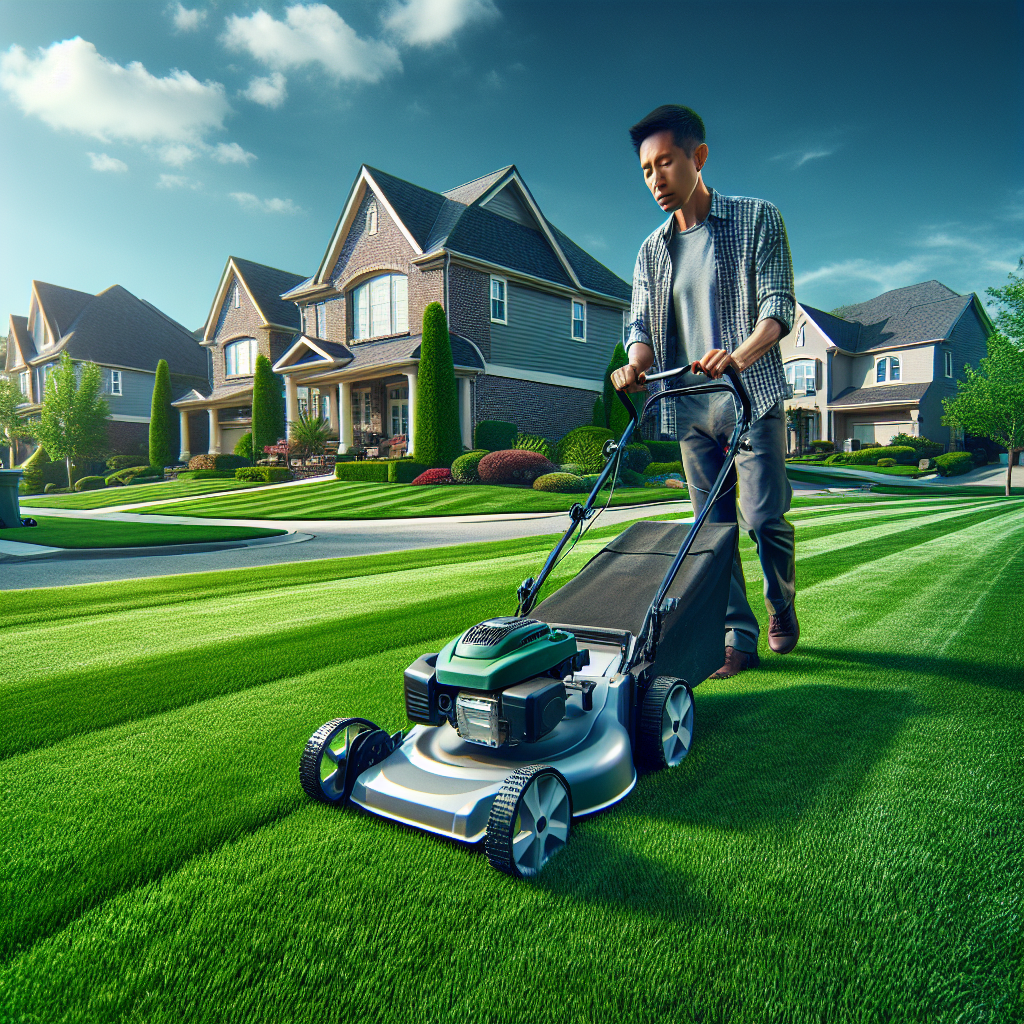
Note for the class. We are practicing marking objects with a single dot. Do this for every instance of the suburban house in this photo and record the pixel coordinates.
(125, 335)
(882, 367)
(248, 317)
(533, 318)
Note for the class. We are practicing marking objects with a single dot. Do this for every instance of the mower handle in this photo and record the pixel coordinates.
(730, 372)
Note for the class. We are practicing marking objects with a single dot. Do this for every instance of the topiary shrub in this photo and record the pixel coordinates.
(438, 475)
(211, 461)
(559, 483)
(149, 475)
(50, 488)
(584, 446)
(533, 443)
(663, 468)
(494, 435)
(89, 483)
(663, 451)
(823, 446)
(600, 418)
(636, 457)
(886, 463)
(38, 470)
(513, 466)
(261, 474)
(630, 478)
(268, 421)
(438, 441)
(464, 468)
(163, 420)
(244, 446)
(380, 471)
(954, 463)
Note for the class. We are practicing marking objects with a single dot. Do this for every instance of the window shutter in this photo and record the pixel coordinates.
(818, 374)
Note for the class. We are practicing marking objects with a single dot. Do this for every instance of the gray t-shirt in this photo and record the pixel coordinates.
(694, 292)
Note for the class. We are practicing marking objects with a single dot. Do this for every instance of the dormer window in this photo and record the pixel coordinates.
(800, 338)
(380, 306)
(240, 357)
(371, 219)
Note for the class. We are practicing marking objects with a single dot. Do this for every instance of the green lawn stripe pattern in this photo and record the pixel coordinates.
(65, 532)
(842, 844)
(106, 497)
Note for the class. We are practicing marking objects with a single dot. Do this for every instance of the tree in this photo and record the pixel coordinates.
(12, 428)
(438, 440)
(309, 436)
(74, 416)
(163, 447)
(267, 408)
(989, 401)
(600, 419)
(1010, 299)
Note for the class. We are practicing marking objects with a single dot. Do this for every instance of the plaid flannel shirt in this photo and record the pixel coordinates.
(754, 272)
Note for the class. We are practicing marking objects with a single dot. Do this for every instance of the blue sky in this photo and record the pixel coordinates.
(146, 142)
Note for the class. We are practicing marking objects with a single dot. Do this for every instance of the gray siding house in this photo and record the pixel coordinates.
(882, 367)
(533, 318)
(125, 335)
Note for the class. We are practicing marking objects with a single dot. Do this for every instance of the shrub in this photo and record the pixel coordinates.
(494, 435)
(163, 424)
(823, 446)
(590, 479)
(636, 457)
(663, 468)
(308, 435)
(382, 471)
(38, 470)
(533, 443)
(923, 447)
(663, 451)
(216, 462)
(464, 468)
(125, 476)
(438, 441)
(267, 405)
(600, 418)
(584, 446)
(630, 478)
(50, 488)
(438, 475)
(244, 446)
(116, 462)
(148, 475)
(571, 468)
(265, 474)
(89, 483)
(513, 467)
(837, 459)
(871, 444)
(886, 463)
(560, 483)
(954, 463)
(869, 456)
(208, 474)
(404, 471)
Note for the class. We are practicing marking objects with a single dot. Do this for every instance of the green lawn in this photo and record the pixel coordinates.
(842, 844)
(60, 532)
(108, 496)
(350, 499)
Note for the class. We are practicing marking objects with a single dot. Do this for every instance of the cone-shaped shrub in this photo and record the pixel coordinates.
(267, 407)
(163, 433)
(614, 410)
(437, 441)
(600, 418)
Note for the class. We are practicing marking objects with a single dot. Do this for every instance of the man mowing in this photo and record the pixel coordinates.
(713, 288)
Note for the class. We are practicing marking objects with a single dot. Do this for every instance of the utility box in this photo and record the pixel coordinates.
(851, 444)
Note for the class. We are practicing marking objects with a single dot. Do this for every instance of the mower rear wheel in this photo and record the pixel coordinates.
(529, 822)
(666, 723)
(324, 763)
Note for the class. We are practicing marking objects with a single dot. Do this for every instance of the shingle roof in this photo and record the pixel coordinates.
(416, 207)
(890, 394)
(471, 191)
(61, 305)
(298, 288)
(396, 350)
(591, 273)
(27, 347)
(195, 397)
(267, 285)
(903, 316)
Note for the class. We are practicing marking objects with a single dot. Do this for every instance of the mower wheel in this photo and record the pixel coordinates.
(666, 723)
(323, 767)
(529, 822)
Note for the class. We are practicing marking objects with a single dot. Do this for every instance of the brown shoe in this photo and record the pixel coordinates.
(783, 630)
(735, 662)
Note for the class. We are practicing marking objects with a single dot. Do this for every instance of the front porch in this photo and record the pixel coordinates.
(213, 423)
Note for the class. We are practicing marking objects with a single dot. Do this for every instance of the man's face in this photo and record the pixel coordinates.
(670, 174)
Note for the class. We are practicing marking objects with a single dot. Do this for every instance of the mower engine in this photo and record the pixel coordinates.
(500, 682)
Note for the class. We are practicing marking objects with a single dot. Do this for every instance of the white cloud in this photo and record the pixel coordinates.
(311, 34)
(71, 86)
(250, 202)
(269, 91)
(186, 20)
(232, 153)
(177, 181)
(102, 162)
(883, 276)
(426, 22)
(178, 156)
(801, 156)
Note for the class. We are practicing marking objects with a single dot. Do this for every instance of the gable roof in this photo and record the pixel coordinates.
(266, 285)
(904, 316)
(60, 305)
(18, 331)
(471, 191)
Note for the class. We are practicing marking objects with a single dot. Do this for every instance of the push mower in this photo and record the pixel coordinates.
(527, 722)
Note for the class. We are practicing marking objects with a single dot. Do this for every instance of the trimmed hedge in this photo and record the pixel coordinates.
(886, 463)
(630, 478)
(494, 435)
(513, 466)
(954, 463)
(560, 483)
(464, 468)
(116, 462)
(664, 468)
(439, 475)
(380, 471)
(823, 446)
(584, 446)
(217, 462)
(533, 443)
(636, 457)
(257, 474)
(125, 476)
(663, 451)
(925, 449)
(207, 474)
(89, 483)
(870, 456)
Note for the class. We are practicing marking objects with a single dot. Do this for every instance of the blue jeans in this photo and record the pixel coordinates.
(705, 424)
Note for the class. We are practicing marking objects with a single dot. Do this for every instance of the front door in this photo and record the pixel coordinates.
(398, 409)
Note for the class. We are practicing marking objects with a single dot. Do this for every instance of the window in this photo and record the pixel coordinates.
(115, 382)
(325, 406)
(398, 410)
(236, 296)
(499, 311)
(380, 306)
(371, 219)
(302, 400)
(947, 359)
(579, 320)
(23, 383)
(800, 376)
(893, 364)
(880, 372)
(800, 339)
(321, 319)
(894, 368)
(240, 357)
(362, 418)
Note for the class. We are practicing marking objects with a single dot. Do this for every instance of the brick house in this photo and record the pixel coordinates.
(247, 318)
(533, 318)
(125, 335)
(882, 367)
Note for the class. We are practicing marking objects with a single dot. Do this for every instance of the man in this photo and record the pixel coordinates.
(713, 288)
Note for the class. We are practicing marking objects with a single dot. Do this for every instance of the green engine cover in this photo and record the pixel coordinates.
(502, 652)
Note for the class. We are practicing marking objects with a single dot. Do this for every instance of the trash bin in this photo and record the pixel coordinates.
(851, 444)
(10, 513)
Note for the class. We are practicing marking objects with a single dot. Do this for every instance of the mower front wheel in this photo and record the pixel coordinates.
(666, 723)
(324, 765)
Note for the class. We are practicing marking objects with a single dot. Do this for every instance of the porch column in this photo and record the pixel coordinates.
(291, 401)
(185, 454)
(915, 419)
(411, 377)
(345, 416)
(466, 410)
(214, 432)
(332, 413)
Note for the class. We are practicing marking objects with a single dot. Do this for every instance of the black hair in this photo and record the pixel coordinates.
(685, 125)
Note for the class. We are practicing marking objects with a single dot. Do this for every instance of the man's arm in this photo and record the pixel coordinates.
(631, 376)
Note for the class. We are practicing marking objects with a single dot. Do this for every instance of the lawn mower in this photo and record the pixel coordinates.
(527, 722)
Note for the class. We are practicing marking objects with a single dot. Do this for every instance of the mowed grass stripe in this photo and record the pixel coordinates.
(111, 496)
(817, 846)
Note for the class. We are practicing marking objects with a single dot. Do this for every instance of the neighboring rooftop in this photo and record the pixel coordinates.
(267, 284)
